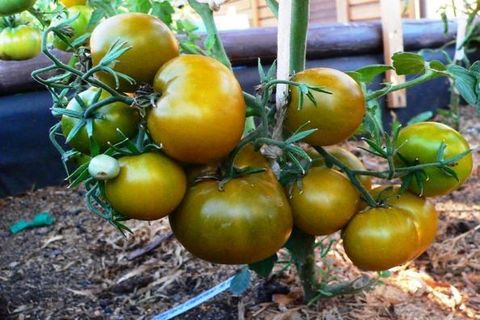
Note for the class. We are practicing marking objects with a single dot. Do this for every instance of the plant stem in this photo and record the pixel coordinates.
(206, 14)
(428, 75)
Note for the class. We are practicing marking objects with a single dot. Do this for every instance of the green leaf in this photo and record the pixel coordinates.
(210, 41)
(436, 65)
(369, 73)
(261, 72)
(75, 130)
(465, 82)
(441, 152)
(424, 116)
(142, 6)
(95, 18)
(241, 282)
(408, 63)
(164, 11)
(300, 136)
(264, 268)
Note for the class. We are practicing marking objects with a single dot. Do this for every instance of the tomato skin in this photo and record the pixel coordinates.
(20, 43)
(113, 116)
(247, 222)
(336, 116)
(149, 186)
(380, 238)
(345, 157)
(79, 25)
(71, 3)
(324, 203)
(421, 142)
(10, 7)
(422, 211)
(201, 114)
(151, 41)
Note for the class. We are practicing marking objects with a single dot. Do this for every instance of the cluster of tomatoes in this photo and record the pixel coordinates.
(198, 122)
(20, 41)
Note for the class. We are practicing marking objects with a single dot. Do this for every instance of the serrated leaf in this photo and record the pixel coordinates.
(241, 282)
(164, 11)
(424, 116)
(264, 268)
(408, 63)
(369, 73)
(465, 83)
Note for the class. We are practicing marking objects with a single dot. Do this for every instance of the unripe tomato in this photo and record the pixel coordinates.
(422, 211)
(345, 157)
(336, 116)
(324, 202)
(419, 143)
(247, 222)
(201, 114)
(380, 238)
(151, 45)
(71, 3)
(149, 186)
(20, 43)
(79, 25)
(107, 120)
(10, 7)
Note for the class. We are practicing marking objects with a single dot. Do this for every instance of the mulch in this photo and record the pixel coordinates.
(79, 268)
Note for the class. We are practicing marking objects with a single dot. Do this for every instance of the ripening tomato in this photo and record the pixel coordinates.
(336, 116)
(345, 157)
(149, 186)
(422, 211)
(380, 238)
(11, 7)
(71, 3)
(419, 144)
(323, 202)
(20, 43)
(247, 222)
(201, 114)
(79, 25)
(107, 120)
(151, 45)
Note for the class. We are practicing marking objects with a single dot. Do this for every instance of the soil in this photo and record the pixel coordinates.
(78, 268)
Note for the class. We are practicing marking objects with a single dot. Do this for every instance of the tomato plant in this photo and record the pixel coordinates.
(344, 106)
(106, 122)
(428, 142)
(10, 7)
(149, 186)
(323, 202)
(150, 41)
(148, 111)
(19, 43)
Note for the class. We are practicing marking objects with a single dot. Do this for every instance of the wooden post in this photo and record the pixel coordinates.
(255, 14)
(342, 11)
(393, 42)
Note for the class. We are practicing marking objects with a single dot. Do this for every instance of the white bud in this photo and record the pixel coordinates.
(103, 167)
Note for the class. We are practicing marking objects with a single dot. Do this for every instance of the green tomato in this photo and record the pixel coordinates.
(79, 25)
(20, 43)
(107, 120)
(10, 7)
(419, 144)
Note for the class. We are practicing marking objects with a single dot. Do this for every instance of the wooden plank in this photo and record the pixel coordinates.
(357, 2)
(342, 11)
(367, 11)
(254, 13)
(393, 42)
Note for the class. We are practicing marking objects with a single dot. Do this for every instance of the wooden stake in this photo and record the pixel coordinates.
(393, 42)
